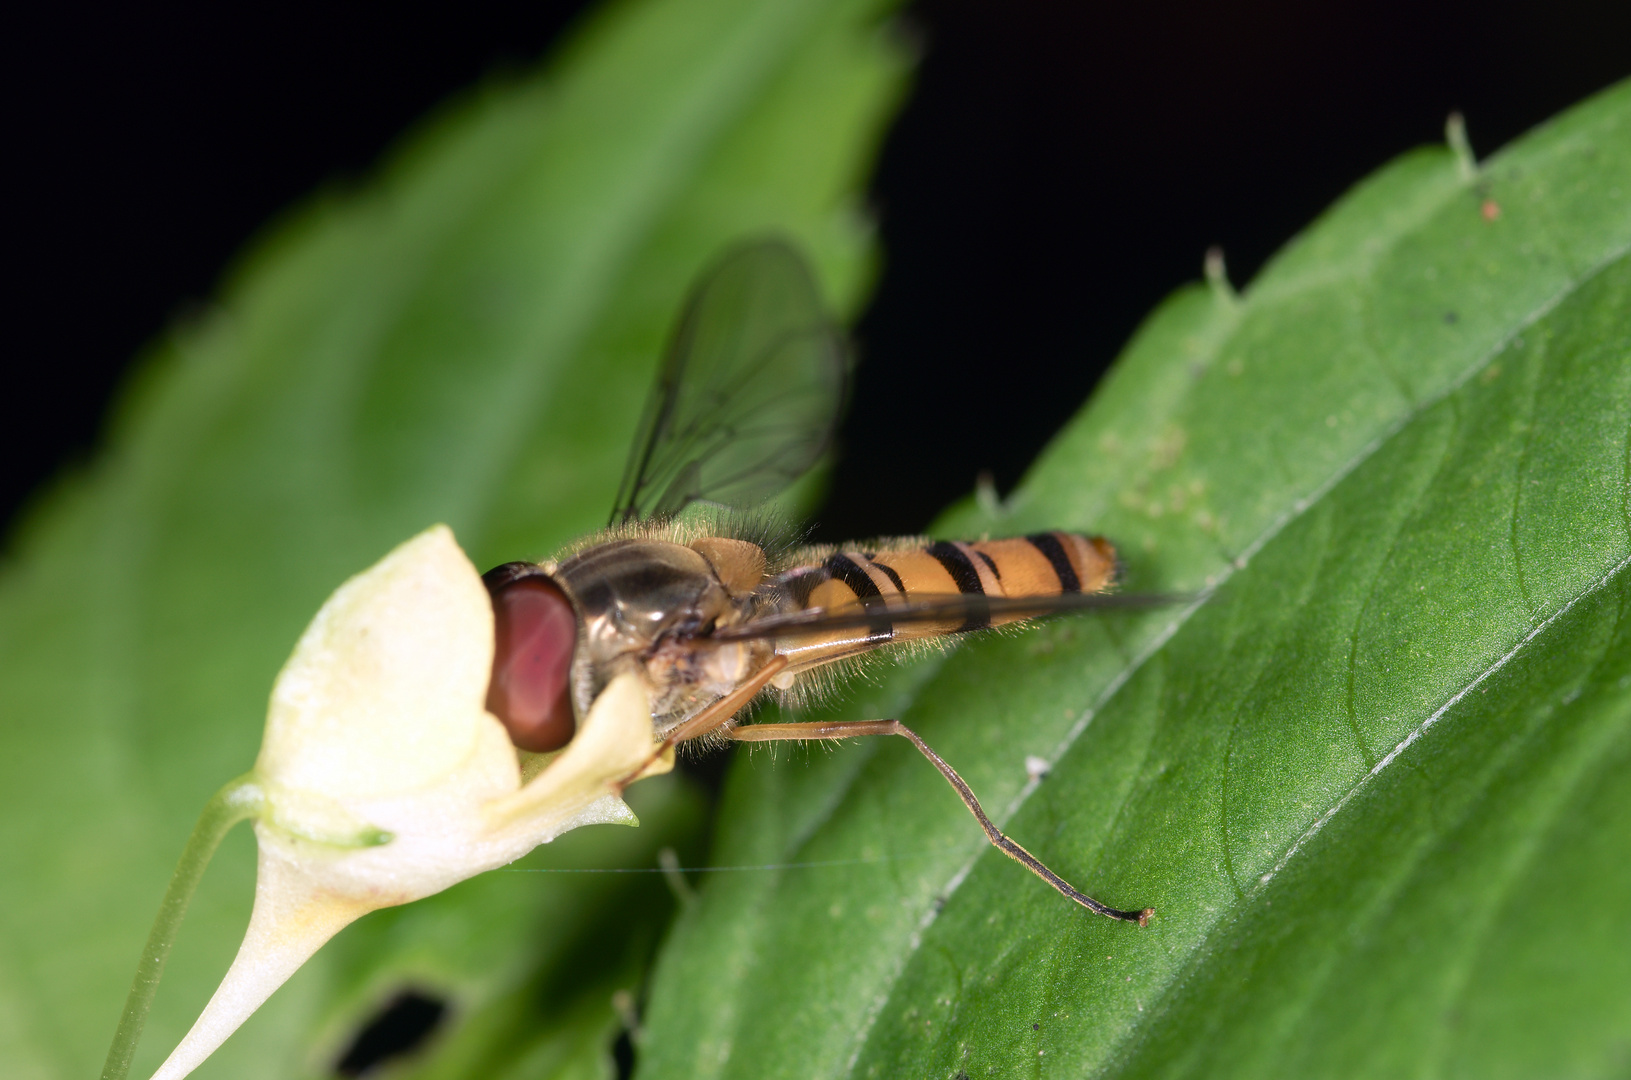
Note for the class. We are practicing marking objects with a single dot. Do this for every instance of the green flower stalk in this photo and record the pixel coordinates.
(237, 801)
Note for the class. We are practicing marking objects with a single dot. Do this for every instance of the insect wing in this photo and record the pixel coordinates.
(933, 609)
(749, 393)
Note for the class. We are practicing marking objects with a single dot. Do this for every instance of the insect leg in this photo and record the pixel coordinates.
(716, 713)
(852, 728)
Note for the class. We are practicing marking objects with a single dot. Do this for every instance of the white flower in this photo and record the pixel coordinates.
(386, 780)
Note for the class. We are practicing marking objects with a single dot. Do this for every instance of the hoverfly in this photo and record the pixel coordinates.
(698, 594)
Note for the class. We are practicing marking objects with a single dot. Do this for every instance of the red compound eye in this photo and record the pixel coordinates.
(529, 691)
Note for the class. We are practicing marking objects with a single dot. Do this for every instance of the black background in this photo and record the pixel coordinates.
(1058, 170)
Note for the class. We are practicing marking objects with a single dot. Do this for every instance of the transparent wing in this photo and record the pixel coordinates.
(749, 393)
(935, 608)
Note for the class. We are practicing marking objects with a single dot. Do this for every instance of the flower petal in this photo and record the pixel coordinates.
(387, 686)
(615, 740)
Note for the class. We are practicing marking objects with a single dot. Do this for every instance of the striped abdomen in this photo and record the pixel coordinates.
(1040, 565)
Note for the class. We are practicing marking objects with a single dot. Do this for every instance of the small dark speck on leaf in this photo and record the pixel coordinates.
(1036, 1027)
(1451, 317)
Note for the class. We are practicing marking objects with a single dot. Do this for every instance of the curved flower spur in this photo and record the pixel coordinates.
(392, 765)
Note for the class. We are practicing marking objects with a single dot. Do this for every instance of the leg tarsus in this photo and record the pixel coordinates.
(999, 839)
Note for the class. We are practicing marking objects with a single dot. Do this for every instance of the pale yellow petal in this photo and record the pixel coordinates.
(615, 740)
(387, 686)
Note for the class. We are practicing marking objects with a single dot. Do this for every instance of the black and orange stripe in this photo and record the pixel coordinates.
(1040, 565)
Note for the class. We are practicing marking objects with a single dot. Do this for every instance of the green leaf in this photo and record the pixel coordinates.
(469, 339)
(1371, 779)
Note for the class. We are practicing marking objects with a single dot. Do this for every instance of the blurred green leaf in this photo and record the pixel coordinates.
(466, 339)
(1372, 781)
